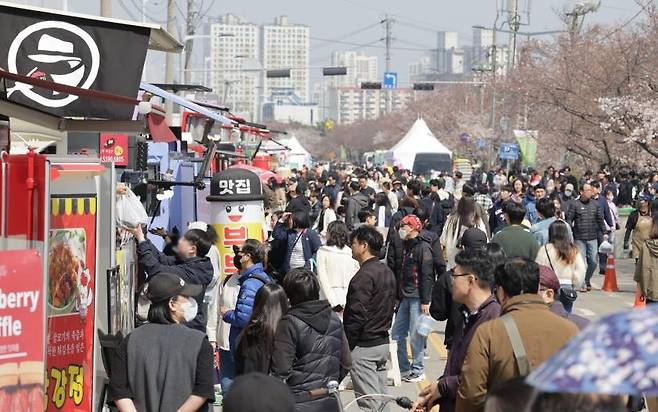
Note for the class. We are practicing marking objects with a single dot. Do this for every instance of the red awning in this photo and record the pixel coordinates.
(159, 129)
(90, 168)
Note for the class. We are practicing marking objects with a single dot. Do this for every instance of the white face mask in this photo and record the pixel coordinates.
(402, 233)
(190, 309)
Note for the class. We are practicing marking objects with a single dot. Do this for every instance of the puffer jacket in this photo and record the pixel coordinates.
(310, 349)
(251, 280)
(586, 218)
(646, 269)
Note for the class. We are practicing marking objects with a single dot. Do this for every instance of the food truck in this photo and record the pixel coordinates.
(57, 229)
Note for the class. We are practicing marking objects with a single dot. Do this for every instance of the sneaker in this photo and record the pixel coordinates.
(413, 377)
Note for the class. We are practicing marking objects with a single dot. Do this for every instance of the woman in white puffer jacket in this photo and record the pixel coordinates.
(335, 265)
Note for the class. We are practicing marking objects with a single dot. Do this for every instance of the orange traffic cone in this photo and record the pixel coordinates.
(640, 302)
(610, 282)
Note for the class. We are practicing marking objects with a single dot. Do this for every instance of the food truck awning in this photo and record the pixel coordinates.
(160, 39)
(66, 124)
(147, 87)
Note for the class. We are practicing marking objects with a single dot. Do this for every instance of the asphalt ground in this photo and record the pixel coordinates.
(591, 305)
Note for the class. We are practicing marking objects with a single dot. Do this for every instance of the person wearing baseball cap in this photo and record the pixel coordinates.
(164, 362)
(549, 287)
(415, 283)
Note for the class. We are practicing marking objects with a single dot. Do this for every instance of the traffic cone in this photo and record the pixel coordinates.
(639, 299)
(610, 281)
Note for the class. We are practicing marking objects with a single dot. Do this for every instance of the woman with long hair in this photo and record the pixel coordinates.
(464, 217)
(256, 341)
(646, 268)
(383, 210)
(519, 190)
(336, 267)
(563, 256)
(326, 216)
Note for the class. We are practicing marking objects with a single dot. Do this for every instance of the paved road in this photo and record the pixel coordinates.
(590, 305)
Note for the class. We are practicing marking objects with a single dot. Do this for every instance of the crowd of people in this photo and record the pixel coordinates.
(356, 258)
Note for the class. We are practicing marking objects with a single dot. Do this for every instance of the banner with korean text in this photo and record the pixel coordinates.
(71, 303)
(21, 331)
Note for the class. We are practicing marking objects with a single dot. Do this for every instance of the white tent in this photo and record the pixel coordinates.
(419, 139)
(297, 156)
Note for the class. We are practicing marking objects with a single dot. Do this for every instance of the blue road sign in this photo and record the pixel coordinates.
(390, 80)
(508, 151)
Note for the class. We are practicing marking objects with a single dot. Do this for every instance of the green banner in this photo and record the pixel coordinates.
(527, 141)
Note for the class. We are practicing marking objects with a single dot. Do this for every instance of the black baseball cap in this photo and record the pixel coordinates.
(473, 238)
(167, 285)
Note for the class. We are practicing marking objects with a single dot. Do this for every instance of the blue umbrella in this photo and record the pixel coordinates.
(617, 355)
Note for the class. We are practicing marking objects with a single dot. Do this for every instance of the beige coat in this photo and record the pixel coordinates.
(646, 269)
(490, 359)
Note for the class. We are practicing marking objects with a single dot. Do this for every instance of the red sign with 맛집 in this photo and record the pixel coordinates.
(114, 148)
(21, 331)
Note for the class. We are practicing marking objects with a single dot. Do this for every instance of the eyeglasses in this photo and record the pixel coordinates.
(455, 275)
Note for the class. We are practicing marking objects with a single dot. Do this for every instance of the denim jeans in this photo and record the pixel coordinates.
(226, 370)
(568, 305)
(589, 249)
(405, 324)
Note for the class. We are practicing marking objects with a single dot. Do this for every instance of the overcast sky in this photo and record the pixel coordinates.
(354, 22)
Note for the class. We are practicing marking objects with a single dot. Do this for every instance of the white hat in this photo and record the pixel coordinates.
(202, 226)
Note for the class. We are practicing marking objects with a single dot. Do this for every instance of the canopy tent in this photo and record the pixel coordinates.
(419, 139)
(297, 156)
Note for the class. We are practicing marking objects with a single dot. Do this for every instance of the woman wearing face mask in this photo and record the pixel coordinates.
(252, 277)
(153, 372)
(190, 263)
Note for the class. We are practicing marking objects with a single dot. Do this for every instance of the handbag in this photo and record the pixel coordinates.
(565, 294)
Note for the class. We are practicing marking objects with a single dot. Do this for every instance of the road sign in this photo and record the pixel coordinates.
(508, 151)
(390, 80)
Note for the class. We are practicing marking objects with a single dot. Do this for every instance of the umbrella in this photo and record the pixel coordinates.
(263, 174)
(617, 355)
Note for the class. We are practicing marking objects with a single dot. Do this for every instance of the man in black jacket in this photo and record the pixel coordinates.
(586, 218)
(368, 316)
(415, 283)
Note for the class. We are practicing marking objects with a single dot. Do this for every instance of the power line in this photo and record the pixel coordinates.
(352, 33)
(329, 56)
(372, 47)
(629, 21)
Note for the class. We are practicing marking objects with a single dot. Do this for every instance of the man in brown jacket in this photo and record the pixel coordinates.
(490, 359)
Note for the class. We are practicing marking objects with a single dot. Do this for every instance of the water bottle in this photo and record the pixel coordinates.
(425, 325)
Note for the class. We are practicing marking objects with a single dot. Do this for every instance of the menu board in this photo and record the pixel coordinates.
(71, 303)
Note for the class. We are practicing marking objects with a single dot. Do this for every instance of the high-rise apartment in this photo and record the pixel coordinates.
(242, 52)
(360, 68)
(234, 48)
(283, 46)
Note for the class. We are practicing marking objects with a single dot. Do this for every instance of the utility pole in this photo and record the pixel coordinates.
(514, 23)
(106, 8)
(388, 38)
(189, 39)
(169, 65)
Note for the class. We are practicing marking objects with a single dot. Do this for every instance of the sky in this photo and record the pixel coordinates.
(348, 24)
